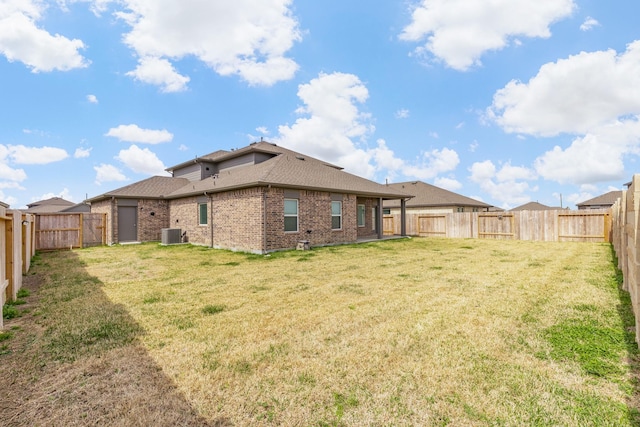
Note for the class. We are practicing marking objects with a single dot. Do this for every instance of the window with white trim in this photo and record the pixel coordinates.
(336, 215)
(202, 214)
(291, 215)
(361, 215)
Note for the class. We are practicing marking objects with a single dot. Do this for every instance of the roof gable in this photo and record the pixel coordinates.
(604, 199)
(156, 187)
(427, 195)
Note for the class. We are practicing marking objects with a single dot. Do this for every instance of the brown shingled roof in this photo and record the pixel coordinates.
(156, 187)
(604, 199)
(286, 169)
(292, 170)
(533, 206)
(427, 195)
(52, 205)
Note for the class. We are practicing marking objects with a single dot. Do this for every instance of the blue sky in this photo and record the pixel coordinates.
(505, 101)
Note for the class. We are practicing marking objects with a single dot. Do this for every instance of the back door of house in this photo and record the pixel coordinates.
(127, 223)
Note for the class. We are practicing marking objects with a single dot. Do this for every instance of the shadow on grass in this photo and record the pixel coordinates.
(74, 359)
(625, 311)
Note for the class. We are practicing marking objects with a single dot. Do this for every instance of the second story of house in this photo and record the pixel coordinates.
(213, 164)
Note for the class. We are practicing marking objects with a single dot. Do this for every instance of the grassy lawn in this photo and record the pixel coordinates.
(428, 332)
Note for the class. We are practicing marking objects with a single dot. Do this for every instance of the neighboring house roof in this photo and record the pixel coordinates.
(533, 206)
(607, 199)
(78, 207)
(427, 195)
(52, 205)
(285, 169)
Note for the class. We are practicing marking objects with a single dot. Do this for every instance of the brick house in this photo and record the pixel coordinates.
(259, 198)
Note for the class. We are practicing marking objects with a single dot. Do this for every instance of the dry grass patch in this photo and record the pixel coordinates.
(409, 332)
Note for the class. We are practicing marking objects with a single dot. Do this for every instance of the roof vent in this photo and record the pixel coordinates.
(299, 157)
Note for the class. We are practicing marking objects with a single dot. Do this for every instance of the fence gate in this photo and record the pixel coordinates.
(584, 226)
(499, 226)
(69, 230)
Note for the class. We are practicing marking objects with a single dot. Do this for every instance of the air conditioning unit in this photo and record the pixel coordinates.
(171, 236)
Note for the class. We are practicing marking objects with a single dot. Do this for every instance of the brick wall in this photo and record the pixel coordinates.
(314, 214)
(183, 214)
(153, 216)
(237, 220)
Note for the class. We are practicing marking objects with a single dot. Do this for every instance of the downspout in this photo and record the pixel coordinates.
(379, 220)
(210, 196)
(403, 217)
(264, 219)
(113, 201)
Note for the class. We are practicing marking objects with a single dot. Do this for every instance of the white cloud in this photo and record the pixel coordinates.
(9, 200)
(332, 120)
(64, 194)
(82, 153)
(183, 147)
(262, 130)
(11, 174)
(572, 95)
(507, 185)
(159, 72)
(595, 157)
(92, 99)
(133, 133)
(403, 113)
(432, 163)
(34, 155)
(108, 173)
(589, 24)
(513, 173)
(459, 32)
(448, 184)
(22, 40)
(142, 161)
(247, 38)
(593, 96)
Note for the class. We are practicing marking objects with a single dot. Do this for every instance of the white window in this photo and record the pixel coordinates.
(336, 215)
(202, 214)
(361, 215)
(290, 215)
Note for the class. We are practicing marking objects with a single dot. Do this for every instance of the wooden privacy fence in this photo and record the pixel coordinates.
(69, 230)
(16, 250)
(548, 226)
(625, 215)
